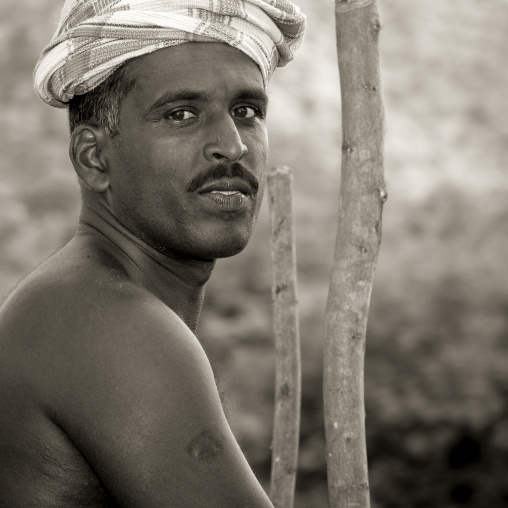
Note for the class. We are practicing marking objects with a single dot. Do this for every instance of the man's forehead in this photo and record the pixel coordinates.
(192, 55)
(198, 69)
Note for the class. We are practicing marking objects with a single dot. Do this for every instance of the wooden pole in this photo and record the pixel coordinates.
(286, 429)
(361, 200)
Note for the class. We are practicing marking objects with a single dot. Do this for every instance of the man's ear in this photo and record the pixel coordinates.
(87, 153)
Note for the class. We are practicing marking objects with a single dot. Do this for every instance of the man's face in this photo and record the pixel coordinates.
(188, 168)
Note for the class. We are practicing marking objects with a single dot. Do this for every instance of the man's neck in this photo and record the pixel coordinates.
(177, 281)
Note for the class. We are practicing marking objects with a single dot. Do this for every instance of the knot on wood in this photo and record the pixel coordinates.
(281, 287)
(347, 148)
(278, 228)
(370, 87)
(349, 437)
(376, 25)
(383, 195)
(285, 391)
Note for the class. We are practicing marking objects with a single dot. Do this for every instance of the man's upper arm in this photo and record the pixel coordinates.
(140, 403)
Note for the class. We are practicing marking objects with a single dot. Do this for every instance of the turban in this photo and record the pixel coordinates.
(95, 37)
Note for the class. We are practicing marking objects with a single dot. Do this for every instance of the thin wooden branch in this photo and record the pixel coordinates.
(286, 429)
(361, 200)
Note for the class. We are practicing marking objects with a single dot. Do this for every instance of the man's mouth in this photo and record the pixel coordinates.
(228, 194)
(227, 187)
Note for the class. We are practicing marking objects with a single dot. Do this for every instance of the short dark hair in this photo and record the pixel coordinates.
(102, 103)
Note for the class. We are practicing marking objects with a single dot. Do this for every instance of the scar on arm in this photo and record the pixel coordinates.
(204, 448)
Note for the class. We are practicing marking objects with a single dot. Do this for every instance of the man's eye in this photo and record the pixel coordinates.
(181, 115)
(246, 112)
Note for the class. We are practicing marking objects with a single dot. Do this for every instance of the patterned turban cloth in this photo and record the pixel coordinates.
(95, 37)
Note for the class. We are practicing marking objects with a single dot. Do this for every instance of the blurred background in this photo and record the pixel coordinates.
(437, 354)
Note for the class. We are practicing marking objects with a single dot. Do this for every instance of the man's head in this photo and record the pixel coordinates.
(173, 143)
(186, 171)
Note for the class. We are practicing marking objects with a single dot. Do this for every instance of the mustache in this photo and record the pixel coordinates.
(223, 170)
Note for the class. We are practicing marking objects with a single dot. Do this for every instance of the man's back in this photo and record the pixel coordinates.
(41, 325)
(106, 396)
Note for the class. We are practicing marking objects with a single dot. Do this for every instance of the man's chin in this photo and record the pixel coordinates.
(229, 253)
(222, 242)
(227, 248)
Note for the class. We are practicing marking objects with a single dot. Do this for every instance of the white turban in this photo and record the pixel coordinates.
(95, 37)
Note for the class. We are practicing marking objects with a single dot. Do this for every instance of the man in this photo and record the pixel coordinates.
(106, 396)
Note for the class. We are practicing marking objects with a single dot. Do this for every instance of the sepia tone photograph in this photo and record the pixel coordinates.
(253, 253)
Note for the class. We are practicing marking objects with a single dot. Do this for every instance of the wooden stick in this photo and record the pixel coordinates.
(361, 200)
(286, 429)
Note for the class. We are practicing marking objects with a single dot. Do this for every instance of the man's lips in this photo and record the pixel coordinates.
(227, 186)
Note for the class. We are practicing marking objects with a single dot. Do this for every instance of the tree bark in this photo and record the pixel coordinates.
(286, 430)
(361, 199)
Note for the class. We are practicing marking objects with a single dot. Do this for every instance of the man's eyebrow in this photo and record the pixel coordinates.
(244, 94)
(179, 95)
(252, 93)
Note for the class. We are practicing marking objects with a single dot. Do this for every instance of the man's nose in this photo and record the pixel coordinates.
(224, 141)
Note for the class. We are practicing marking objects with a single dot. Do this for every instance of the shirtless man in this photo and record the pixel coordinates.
(106, 396)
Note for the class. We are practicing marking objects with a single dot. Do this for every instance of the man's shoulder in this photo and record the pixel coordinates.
(89, 327)
(75, 284)
(127, 382)
(70, 305)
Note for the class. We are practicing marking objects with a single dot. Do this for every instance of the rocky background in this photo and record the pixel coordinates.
(437, 355)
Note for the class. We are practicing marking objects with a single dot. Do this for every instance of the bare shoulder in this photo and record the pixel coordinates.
(66, 300)
(81, 318)
(131, 387)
